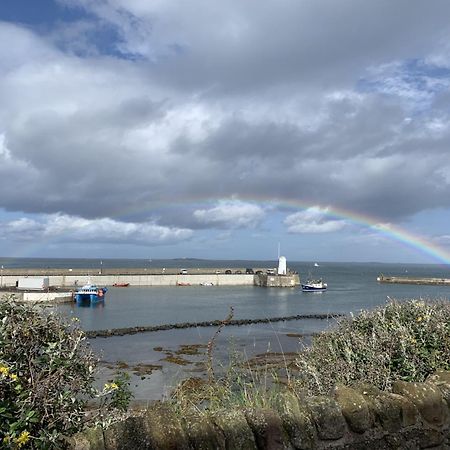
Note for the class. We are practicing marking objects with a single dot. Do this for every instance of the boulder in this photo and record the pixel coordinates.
(90, 439)
(164, 429)
(235, 429)
(427, 398)
(354, 408)
(267, 429)
(203, 434)
(130, 433)
(327, 416)
(297, 421)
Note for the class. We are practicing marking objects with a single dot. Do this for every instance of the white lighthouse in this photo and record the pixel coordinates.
(282, 270)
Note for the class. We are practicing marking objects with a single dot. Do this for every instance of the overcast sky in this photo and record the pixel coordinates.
(216, 129)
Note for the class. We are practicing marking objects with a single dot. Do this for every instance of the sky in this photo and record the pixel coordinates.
(212, 129)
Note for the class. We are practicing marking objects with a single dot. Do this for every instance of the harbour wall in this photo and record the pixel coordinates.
(71, 281)
(410, 416)
(414, 280)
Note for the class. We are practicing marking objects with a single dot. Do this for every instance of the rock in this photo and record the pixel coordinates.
(164, 430)
(267, 429)
(386, 408)
(297, 421)
(410, 413)
(203, 434)
(90, 439)
(427, 398)
(327, 416)
(440, 376)
(354, 408)
(237, 432)
(441, 379)
(129, 433)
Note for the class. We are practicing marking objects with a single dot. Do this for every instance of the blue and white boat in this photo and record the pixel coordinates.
(314, 286)
(91, 293)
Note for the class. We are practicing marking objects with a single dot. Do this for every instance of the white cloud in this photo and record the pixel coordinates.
(65, 228)
(231, 214)
(312, 220)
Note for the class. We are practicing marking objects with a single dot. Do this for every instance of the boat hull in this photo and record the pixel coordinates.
(313, 289)
(89, 298)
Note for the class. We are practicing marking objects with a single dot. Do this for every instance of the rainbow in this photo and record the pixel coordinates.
(390, 231)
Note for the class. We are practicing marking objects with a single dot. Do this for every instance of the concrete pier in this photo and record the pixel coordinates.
(414, 280)
(73, 278)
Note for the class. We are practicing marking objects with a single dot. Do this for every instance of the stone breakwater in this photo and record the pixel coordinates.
(414, 280)
(208, 323)
(410, 416)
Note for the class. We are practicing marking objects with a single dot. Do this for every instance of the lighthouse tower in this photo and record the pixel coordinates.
(282, 270)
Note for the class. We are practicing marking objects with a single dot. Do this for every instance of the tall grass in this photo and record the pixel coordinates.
(400, 341)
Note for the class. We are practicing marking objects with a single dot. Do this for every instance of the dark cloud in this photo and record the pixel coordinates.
(312, 101)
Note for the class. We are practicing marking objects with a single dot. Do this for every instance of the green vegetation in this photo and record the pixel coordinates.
(47, 373)
(400, 341)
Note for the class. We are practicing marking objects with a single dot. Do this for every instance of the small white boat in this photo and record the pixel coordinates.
(316, 265)
(314, 286)
(206, 283)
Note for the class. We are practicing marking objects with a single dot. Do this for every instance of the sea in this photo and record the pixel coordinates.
(158, 361)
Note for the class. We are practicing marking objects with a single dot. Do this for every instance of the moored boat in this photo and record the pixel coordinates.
(121, 284)
(314, 286)
(90, 292)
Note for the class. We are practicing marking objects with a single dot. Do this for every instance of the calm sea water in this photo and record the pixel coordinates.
(351, 288)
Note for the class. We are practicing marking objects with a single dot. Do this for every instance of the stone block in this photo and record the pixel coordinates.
(427, 398)
(440, 376)
(236, 431)
(441, 379)
(164, 429)
(90, 439)
(203, 434)
(130, 433)
(297, 421)
(354, 408)
(410, 413)
(327, 416)
(267, 429)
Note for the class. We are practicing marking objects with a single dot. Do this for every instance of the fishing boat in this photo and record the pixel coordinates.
(314, 286)
(121, 284)
(91, 293)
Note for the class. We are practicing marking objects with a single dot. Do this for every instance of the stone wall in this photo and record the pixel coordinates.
(411, 416)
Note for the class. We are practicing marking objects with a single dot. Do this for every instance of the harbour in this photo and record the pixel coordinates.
(268, 321)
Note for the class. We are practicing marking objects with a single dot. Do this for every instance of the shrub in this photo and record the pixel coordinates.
(400, 341)
(47, 372)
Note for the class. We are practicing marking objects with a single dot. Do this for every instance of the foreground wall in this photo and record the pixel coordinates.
(412, 416)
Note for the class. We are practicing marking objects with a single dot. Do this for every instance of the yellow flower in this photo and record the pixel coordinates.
(13, 377)
(22, 439)
(4, 371)
(419, 319)
(111, 386)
